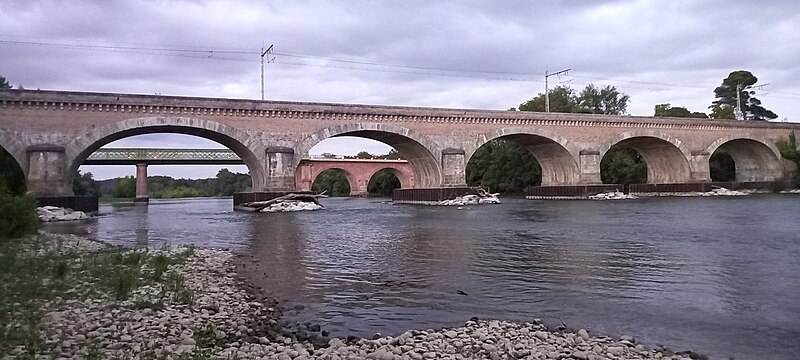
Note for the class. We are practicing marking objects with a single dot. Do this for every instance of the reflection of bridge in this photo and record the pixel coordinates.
(357, 171)
(51, 133)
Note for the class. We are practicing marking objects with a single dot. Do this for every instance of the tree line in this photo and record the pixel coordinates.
(225, 183)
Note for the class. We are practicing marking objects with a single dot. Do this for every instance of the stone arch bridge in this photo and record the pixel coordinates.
(50, 133)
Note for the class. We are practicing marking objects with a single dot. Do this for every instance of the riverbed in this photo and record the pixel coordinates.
(717, 276)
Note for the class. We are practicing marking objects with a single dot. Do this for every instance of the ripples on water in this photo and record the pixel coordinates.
(720, 276)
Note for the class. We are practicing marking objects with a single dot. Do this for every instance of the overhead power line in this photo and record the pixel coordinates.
(250, 56)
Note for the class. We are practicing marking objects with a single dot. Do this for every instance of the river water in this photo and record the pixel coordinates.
(719, 276)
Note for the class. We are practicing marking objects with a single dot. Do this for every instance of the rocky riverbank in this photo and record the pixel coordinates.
(190, 303)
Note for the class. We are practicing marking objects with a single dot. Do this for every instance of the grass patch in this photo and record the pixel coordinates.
(28, 281)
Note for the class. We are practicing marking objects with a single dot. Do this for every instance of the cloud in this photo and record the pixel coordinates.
(453, 54)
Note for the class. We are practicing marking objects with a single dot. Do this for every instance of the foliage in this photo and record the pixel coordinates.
(562, 99)
(788, 149)
(606, 100)
(32, 277)
(18, 215)
(333, 182)
(722, 166)
(383, 183)
(740, 82)
(226, 183)
(623, 165)
(124, 187)
(364, 155)
(84, 184)
(4, 83)
(503, 166)
(667, 110)
(722, 112)
(11, 173)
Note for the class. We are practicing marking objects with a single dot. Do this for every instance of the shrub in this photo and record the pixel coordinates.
(18, 215)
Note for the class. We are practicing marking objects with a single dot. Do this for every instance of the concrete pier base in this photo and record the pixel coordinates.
(142, 195)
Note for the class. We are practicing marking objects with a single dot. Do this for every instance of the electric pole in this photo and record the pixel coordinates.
(738, 113)
(263, 53)
(547, 91)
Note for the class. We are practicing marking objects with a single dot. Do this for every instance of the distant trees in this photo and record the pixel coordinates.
(4, 83)
(85, 184)
(503, 166)
(667, 110)
(11, 176)
(623, 165)
(124, 187)
(333, 182)
(606, 100)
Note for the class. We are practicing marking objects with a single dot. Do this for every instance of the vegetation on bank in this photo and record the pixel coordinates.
(788, 149)
(37, 278)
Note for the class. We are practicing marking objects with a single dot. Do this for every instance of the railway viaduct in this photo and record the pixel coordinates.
(51, 133)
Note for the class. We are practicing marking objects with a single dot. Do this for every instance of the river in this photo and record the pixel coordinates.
(719, 276)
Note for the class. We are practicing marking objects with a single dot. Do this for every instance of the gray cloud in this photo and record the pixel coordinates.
(655, 51)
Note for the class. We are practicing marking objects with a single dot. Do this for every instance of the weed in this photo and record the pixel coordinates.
(60, 270)
(205, 336)
(147, 304)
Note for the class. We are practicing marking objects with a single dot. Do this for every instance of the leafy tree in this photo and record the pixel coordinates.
(4, 83)
(383, 183)
(666, 110)
(85, 184)
(606, 100)
(503, 166)
(11, 174)
(722, 112)
(333, 181)
(124, 188)
(788, 149)
(364, 155)
(392, 155)
(739, 82)
(562, 99)
(623, 165)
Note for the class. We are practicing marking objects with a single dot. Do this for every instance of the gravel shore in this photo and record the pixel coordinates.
(222, 319)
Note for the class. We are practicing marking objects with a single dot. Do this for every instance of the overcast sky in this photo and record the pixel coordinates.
(479, 54)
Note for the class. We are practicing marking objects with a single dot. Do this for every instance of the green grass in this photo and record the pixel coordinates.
(28, 281)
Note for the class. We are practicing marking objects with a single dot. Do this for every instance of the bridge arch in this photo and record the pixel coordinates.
(421, 152)
(234, 139)
(555, 154)
(11, 143)
(754, 159)
(667, 158)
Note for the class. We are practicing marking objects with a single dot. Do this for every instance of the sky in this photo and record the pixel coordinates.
(455, 54)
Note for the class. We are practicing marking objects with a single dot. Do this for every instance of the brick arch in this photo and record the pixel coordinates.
(406, 179)
(351, 179)
(667, 158)
(234, 139)
(11, 143)
(555, 154)
(754, 159)
(421, 152)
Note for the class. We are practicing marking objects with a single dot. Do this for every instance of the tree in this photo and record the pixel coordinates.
(606, 100)
(85, 184)
(124, 187)
(4, 83)
(562, 99)
(722, 112)
(364, 155)
(739, 83)
(383, 183)
(666, 110)
(623, 165)
(503, 166)
(334, 181)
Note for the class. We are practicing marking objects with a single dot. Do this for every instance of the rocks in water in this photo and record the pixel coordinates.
(471, 200)
(55, 213)
(721, 191)
(612, 195)
(292, 205)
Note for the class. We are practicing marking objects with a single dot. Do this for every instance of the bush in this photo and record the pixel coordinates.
(18, 215)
